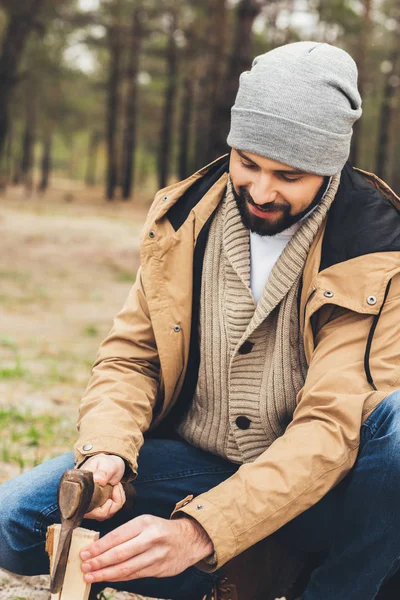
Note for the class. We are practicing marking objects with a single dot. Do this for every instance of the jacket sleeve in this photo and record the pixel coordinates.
(319, 446)
(118, 404)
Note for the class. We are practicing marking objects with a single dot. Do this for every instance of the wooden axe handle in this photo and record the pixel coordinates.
(102, 493)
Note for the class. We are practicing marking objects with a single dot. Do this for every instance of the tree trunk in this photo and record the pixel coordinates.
(361, 60)
(211, 69)
(7, 162)
(216, 71)
(113, 104)
(386, 111)
(169, 103)
(46, 164)
(91, 167)
(20, 25)
(28, 141)
(129, 140)
(240, 60)
(184, 127)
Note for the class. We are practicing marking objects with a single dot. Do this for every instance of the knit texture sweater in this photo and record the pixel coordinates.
(252, 361)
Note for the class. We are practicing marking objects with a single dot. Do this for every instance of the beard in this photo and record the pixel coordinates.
(267, 226)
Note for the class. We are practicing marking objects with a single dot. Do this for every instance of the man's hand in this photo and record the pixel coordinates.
(107, 468)
(146, 546)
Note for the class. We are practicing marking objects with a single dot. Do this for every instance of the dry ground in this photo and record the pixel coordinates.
(67, 262)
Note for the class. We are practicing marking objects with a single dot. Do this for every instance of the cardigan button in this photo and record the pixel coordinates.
(246, 347)
(243, 422)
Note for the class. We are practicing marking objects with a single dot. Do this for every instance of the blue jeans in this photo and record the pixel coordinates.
(356, 525)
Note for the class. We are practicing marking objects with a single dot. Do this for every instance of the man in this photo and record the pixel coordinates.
(257, 358)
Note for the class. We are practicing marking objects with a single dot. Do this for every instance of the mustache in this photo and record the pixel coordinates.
(268, 206)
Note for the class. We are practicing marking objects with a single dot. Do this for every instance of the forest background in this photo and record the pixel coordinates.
(133, 94)
(101, 103)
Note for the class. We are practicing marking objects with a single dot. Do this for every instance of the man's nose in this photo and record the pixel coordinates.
(263, 190)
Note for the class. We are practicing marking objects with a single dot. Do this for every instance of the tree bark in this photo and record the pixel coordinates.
(216, 71)
(129, 139)
(28, 140)
(386, 111)
(21, 22)
(239, 61)
(91, 168)
(361, 60)
(209, 85)
(46, 164)
(184, 127)
(169, 103)
(113, 105)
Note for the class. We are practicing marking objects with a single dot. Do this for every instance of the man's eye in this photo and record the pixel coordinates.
(289, 179)
(248, 165)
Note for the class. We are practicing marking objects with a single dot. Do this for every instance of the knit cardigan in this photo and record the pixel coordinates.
(252, 362)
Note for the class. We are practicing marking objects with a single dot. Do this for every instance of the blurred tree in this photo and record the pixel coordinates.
(95, 139)
(46, 162)
(187, 100)
(115, 46)
(28, 140)
(23, 18)
(361, 58)
(210, 67)
(130, 126)
(170, 95)
(239, 60)
(391, 86)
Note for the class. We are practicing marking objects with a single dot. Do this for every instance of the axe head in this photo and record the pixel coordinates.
(78, 494)
(75, 494)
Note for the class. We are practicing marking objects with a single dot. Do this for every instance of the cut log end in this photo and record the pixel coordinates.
(74, 588)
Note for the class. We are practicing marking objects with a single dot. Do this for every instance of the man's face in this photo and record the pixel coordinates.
(270, 196)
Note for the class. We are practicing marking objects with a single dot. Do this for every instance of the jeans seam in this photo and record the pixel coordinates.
(388, 571)
(39, 523)
(181, 475)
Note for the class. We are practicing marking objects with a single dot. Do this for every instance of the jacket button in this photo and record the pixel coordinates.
(152, 234)
(177, 328)
(243, 422)
(328, 294)
(87, 447)
(246, 347)
(371, 300)
(165, 198)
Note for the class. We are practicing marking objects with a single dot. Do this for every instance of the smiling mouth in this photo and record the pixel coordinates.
(266, 211)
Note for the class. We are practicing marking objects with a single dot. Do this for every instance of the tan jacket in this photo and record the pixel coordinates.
(350, 321)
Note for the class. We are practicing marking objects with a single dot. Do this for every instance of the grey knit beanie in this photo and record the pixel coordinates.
(297, 105)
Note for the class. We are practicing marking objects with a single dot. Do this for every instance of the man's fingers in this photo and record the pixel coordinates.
(133, 568)
(101, 477)
(117, 555)
(118, 536)
(110, 507)
(118, 495)
(101, 513)
(106, 468)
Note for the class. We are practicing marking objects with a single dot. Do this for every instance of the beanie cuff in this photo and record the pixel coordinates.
(304, 147)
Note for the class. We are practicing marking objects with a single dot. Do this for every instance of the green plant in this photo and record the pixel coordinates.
(91, 331)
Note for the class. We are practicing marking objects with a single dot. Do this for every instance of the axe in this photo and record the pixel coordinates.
(78, 494)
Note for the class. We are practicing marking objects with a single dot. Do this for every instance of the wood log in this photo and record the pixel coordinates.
(74, 588)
